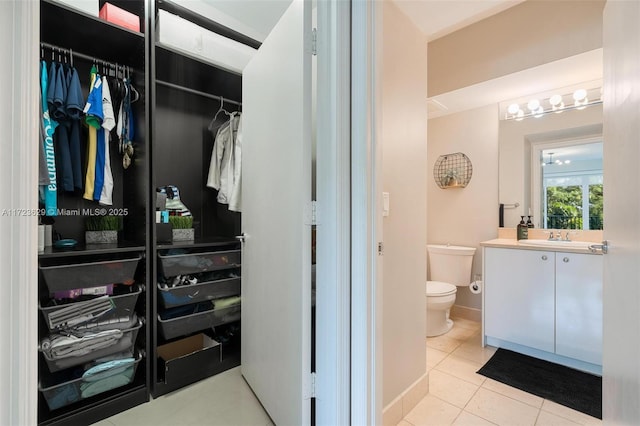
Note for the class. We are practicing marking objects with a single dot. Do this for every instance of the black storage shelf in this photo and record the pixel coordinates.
(98, 407)
(213, 242)
(91, 250)
(60, 276)
(197, 261)
(70, 387)
(184, 325)
(90, 37)
(200, 292)
(123, 305)
(124, 46)
(185, 91)
(126, 343)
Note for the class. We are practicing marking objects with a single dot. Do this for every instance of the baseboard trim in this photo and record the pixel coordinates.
(472, 314)
(397, 409)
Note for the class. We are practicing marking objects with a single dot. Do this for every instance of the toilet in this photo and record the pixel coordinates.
(450, 267)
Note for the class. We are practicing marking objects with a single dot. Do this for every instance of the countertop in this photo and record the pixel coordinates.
(522, 244)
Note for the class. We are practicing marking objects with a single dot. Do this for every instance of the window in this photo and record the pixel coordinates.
(572, 186)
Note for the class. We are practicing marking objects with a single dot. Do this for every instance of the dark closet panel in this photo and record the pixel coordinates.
(115, 43)
(183, 147)
(89, 38)
(194, 74)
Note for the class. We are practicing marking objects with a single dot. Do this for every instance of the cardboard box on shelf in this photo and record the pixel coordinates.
(120, 17)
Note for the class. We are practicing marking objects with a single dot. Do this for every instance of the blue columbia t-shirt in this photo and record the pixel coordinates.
(49, 191)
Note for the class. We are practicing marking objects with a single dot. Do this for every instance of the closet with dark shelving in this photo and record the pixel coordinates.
(94, 303)
(196, 297)
(147, 314)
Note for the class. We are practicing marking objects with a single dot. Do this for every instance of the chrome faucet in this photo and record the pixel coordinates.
(557, 236)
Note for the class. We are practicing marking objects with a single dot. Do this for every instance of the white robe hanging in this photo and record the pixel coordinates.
(225, 166)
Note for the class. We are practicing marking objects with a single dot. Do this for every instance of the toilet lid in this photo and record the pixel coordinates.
(438, 288)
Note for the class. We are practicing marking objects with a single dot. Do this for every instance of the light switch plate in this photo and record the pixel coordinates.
(385, 204)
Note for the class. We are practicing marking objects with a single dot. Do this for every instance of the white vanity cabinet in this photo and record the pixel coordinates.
(519, 297)
(579, 306)
(544, 303)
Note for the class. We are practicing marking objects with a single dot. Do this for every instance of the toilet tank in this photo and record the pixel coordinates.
(450, 264)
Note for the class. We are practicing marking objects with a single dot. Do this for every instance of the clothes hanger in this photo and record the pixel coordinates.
(132, 90)
(221, 109)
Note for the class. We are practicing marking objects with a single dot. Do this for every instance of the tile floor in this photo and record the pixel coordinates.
(222, 400)
(459, 396)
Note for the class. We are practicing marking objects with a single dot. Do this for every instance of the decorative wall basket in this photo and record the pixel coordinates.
(452, 171)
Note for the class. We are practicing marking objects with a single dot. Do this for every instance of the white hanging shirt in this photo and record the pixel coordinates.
(108, 123)
(225, 166)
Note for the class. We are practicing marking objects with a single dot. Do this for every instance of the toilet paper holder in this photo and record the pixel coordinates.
(475, 287)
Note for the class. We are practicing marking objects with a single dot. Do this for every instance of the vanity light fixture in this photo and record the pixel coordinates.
(580, 98)
(556, 103)
(556, 162)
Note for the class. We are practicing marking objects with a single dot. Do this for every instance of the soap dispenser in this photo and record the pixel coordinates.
(529, 222)
(522, 230)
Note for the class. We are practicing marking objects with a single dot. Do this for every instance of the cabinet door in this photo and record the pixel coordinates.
(519, 297)
(579, 306)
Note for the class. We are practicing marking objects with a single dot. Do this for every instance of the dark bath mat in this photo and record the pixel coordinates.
(566, 386)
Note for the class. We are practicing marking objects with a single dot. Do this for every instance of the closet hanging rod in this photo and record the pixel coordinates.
(76, 54)
(197, 92)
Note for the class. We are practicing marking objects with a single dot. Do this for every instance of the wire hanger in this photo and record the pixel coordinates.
(221, 109)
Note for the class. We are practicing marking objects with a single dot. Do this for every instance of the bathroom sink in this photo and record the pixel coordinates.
(557, 243)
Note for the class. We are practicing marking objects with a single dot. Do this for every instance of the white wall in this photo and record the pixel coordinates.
(532, 33)
(469, 215)
(404, 152)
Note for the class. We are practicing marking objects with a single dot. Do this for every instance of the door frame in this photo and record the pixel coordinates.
(18, 253)
(359, 338)
(333, 233)
(366, 220)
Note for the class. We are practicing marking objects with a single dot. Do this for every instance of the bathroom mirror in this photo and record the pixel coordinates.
(558, 196)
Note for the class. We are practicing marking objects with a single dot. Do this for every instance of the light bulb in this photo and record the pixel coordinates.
(513, 109)
(579, 95)
(555, 100)
(539, 112)
(556, 103)
(520, 115)
(567, 161)
(533, 105)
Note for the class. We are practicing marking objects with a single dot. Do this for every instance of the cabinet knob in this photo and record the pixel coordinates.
(565, 260)
(544, 257)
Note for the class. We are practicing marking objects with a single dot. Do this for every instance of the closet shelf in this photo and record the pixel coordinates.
(108, 404)
(125, 46)
(95, 249)
(201, 242)
(174, 8)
